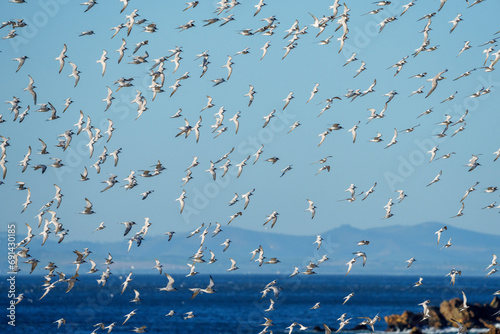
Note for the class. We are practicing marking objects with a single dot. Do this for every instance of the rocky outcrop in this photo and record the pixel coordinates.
(410, 320)
(491, 328)
(475, 316)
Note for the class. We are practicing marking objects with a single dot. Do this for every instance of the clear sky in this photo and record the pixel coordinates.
(152, 136)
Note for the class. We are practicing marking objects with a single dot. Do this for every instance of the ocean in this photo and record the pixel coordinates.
(236, 307)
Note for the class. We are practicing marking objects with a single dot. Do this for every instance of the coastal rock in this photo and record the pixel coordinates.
(410, 320)
(407, 320)
(416, 330)
(360, 328)
(475, 316)
(471, 317)
(491, 327)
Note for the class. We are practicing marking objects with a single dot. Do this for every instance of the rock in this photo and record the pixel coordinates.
(436, 319)
(491, 327)
(410, 320)
(322, 329)
(470, 317)
(416, 330)
(495, 303)
(475, 316)
(363, 328)
(407, 320)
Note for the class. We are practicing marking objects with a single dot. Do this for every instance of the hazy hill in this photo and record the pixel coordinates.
(387, 252)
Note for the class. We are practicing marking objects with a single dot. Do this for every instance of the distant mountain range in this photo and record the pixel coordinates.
(387, 252)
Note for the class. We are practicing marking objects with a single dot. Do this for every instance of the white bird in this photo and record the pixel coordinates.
(258, 153)
(129, 315)
(102, 61)
(109, 99)
(28, 200)
(342, 325)
(21, 61)
(419, 283)
(473, 163)
(361, 254)
(126, 282)
(218, 81)
(191, 4)
(433, 153)
(492, 271)
(493, 262)
(436, 179)
(349, 264)
(425, 309)
(455, 22)
(233, 265)
(346, 298)
(247, 198)
(393, 140)
(312, 209)
(314, 91)
(466, 47)
(461, 328)
(448, 244)
(434, 82)
(226, 243)
(211, 170)
(285, 170)
(259, 6)
(410, 262)
(250, 95)
(288, 99)
(268, 118)
(273, 217)
(385, 21)
(438, 233)
(464, 305)
(170, 284)
(418, 91)
(181, 200)
(468, 191)
(31, 88)
(61, 58)
(240, 167)
(318, 241)
(75, 73)
(353, 131)
(60, 322)
(264, 49)
(377, 138)
(121, 50)
(453, 273)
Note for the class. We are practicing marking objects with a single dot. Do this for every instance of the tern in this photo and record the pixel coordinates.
(419, 283)
(61, 58)
(410, 262)
(102, 61)
(436, 179)
(434, 82)
(493, 262)
(170, 284)
(233, 265)
(312, 209)
(273, 217)
(460, 211)
(439, 232)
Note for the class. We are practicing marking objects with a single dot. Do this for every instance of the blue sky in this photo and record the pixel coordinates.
(151, 137)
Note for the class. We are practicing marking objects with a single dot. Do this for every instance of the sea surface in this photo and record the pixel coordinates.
(236, 307)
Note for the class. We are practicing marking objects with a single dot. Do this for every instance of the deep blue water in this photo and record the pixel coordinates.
(236, 307)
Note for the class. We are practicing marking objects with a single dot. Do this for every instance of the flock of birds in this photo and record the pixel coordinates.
(50, 224)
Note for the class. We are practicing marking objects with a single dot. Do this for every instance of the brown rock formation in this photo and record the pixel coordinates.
(476, 316)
